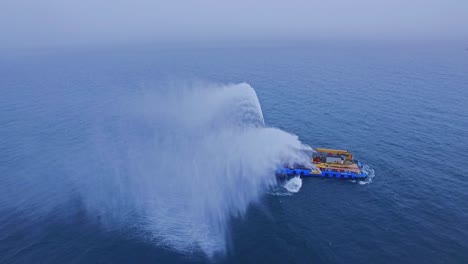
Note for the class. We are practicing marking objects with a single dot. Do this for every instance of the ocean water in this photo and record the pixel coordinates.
(158, 155)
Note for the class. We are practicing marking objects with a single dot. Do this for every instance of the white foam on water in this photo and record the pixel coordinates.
(293, 185)
(287, 187)
(370, 175)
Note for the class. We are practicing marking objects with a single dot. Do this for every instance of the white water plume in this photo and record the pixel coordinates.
(204, 157)
(175, 165)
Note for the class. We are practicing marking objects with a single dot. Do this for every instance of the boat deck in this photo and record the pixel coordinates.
(329, 163)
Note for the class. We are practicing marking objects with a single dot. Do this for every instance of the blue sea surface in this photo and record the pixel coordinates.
(403, 111)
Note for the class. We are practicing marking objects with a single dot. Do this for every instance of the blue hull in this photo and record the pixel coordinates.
(288, 172)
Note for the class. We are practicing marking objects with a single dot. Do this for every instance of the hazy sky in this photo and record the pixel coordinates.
(34, 23)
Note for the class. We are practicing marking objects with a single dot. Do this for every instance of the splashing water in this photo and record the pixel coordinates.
(207, 155)
(293, 185)
(176, 165)
(287, 187)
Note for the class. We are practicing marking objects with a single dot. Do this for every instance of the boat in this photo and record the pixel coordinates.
(327, 163)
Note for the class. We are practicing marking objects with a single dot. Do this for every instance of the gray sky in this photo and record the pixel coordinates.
(36, 23)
